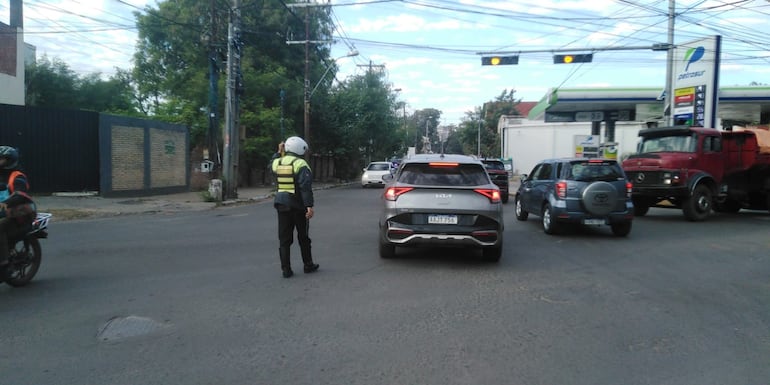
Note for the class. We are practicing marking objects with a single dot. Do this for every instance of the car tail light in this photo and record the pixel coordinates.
(392, 193)
(629, 188)
(485, 235)
(491, 193)
(561, 189)
(443, 164)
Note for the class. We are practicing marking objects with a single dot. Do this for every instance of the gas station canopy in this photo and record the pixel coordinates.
(750, 104)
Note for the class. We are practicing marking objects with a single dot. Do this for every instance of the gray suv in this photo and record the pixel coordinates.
(441, 200)
(577, 191)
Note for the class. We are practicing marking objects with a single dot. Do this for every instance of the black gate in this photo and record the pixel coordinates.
(59, 148)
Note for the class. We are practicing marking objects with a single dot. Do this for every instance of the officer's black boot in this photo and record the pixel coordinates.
(307, 260)
(285, 254)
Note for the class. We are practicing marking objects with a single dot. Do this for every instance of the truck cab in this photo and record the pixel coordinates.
(697, 169)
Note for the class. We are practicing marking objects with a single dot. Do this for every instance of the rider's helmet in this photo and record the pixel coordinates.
(295, 145)
(11, 156)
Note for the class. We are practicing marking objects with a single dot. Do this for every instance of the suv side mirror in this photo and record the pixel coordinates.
(387, 177)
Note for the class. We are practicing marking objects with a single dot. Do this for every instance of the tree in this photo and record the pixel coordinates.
(426, 128)
(474, 124)
(177, 44)
(360, 122)
(51, 83)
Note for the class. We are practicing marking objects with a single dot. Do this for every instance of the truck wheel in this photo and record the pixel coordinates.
(697, 206)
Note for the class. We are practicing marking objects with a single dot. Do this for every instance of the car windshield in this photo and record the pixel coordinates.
(593, 171)
(668, 144)
(378, 167)
(443, 175)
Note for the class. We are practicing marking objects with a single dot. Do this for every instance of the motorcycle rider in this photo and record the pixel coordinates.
(17, 210)
(293, 202)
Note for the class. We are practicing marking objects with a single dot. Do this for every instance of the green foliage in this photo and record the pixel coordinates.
(182, 50)
(359, 123)
(475, 125)
(51, 83)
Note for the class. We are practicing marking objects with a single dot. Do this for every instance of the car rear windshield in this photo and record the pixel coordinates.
(494, 165)
(595, 170)
(379, 167)
(429, 174)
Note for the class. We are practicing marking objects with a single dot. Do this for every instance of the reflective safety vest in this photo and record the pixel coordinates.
(4, 194)
(286, 168)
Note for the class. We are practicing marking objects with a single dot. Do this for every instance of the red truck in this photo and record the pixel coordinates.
(700, 169)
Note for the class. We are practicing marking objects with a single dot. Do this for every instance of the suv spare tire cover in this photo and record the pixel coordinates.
(599, 198)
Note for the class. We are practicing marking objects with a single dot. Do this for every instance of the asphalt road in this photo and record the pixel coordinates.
(198, 298)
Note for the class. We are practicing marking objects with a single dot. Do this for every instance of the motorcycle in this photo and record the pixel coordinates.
(25, 252)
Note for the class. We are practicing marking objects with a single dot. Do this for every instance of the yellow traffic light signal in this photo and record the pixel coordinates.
(569, 59)
(499, 60)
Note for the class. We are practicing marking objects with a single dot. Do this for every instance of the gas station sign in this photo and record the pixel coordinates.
(589, 116)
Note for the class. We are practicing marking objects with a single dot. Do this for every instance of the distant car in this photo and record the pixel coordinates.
(374, 172)
(438, 200)
(499, 175)
(577, 191)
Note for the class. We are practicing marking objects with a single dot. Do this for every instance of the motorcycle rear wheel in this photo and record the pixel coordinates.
(25, 261)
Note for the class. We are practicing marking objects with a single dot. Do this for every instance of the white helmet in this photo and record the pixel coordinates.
(295, 145)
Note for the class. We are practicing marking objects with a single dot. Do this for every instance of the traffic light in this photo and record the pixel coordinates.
(569, 59)
(499, 60)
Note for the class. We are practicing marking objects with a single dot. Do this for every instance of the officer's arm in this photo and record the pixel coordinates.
(305, 183)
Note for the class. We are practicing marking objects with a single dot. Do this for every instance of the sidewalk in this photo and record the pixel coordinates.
(73, 206)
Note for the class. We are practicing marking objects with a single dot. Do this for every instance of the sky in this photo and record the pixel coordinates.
(431, 50)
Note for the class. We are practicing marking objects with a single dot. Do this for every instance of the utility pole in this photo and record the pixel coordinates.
(233, 90)
(667, 108)
(307, 43)
(212, 145)
(381, 67)
(478, 136)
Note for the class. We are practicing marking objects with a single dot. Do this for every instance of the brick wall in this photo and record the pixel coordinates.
(127, 158)
(8, 50)
(167, 158)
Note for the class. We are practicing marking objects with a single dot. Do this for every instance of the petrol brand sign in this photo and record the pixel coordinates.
(695, 80)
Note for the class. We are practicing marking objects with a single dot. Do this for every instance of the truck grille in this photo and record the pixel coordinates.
(645, 178)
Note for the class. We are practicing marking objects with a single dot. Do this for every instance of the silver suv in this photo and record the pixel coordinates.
(441, 200)
(578, 191)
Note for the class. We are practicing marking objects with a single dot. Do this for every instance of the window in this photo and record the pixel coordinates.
(494, 165)
(379, 167)
(545, 172)
(460, 175)
(712, 144)
(593, 171)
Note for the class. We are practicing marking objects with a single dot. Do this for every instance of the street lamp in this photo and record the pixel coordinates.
(309, 94)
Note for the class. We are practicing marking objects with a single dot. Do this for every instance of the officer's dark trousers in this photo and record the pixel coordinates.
(288, 220)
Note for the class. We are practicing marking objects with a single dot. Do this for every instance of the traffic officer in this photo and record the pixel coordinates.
(293, 202)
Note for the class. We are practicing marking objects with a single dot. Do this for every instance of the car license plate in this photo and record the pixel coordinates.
(593, 221)
(442, 219)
